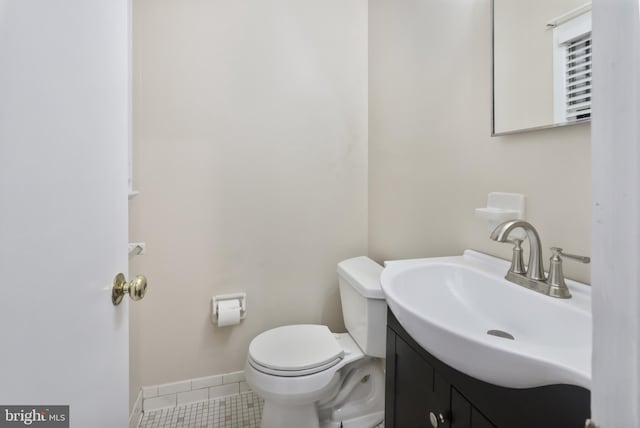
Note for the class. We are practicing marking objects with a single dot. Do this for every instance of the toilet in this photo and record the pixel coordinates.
(310, 377)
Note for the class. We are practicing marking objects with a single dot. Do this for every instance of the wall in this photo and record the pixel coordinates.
(431, 157)
(250, 153)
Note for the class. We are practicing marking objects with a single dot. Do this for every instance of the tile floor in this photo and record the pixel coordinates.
(235, 411)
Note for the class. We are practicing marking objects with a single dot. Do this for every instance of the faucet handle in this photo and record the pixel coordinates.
(556, 282)
(557, 252)
(517, 262)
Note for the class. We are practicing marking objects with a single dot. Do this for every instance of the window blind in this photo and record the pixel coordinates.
(578, 78)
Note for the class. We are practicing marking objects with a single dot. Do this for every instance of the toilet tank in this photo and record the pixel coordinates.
(363, 305)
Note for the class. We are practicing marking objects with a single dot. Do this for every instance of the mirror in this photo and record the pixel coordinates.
(541, 64)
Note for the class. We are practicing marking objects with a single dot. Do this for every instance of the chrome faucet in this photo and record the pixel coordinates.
(533, 276)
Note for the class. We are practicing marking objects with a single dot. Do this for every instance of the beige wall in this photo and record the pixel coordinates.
(250, 153)
(431, 159)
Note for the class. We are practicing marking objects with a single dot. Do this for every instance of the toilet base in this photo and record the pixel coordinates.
(365, 421)
(357, 401)
(275, 415)
(361, 401)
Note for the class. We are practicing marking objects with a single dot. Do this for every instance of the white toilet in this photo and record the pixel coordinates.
(310, 377)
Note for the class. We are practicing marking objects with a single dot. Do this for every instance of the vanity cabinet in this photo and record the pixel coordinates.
(422, 391)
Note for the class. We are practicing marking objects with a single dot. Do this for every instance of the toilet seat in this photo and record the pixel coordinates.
(295, 350)
(293, 373)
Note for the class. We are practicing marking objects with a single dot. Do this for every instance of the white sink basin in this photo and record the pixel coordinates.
(448, 304)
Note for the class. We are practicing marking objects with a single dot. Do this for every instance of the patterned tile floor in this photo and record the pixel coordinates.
(236, 411)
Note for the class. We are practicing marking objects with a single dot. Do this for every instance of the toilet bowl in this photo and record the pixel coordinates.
(310, 377)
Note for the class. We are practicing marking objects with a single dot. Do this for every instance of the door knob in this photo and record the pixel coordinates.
(136, 289)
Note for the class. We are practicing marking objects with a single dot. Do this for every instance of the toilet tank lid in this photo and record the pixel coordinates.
(364, 275)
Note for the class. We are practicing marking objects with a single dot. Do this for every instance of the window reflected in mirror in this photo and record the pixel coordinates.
(541, 64)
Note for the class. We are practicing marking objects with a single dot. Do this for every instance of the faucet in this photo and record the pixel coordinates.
(533, 276)
(501, 234)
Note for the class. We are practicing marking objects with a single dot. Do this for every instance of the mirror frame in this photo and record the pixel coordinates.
(493, 94)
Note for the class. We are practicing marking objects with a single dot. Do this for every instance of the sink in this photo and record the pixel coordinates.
(463, 311)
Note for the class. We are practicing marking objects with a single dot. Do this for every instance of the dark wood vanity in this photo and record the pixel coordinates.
(422, 391)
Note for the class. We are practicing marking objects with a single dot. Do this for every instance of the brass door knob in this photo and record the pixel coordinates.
(136, 289)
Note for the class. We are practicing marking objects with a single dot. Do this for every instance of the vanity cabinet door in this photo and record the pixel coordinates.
(413, 387)
(439, 402)
(479, 421)
(460, 410)
(465, 415)
(416, 393)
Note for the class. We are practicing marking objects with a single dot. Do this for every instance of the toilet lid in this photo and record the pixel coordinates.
(295, 348)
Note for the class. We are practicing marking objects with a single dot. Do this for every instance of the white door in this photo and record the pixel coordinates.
(64, 129)
(615, 272)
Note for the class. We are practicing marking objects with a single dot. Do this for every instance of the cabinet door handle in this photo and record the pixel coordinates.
(437, 419)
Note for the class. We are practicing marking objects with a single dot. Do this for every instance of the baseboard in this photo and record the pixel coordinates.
(192, 390)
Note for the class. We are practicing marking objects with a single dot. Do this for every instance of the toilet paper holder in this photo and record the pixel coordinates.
(240, 297)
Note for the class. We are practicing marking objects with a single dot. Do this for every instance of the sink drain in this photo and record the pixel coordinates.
(500, 333)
